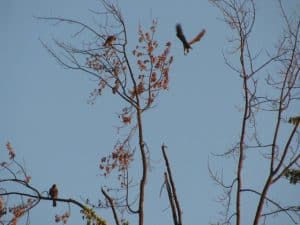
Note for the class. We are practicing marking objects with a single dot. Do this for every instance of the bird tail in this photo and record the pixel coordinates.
(54, 203)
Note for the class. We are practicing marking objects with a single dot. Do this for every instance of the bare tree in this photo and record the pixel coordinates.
(265, 95)
(102, 52)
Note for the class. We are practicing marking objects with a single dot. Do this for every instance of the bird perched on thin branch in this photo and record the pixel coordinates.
(53, 192)
(109, 41)
(186, 44)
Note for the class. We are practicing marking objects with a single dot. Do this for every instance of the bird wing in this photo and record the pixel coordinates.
(198, 37)
(55, 192)
(180, 35)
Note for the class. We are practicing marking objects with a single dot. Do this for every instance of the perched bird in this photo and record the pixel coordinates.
(109, 41)
(186, 44)
(53, 192)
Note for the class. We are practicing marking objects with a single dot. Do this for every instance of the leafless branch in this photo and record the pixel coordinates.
(112, 205)
(171, 189)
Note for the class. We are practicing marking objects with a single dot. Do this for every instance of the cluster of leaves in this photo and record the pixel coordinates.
(110, 67)
(293, 175)
(10, 150)
(16, 174)
(294, 120)
(125, 222)
(126, 116)
(153, 68)
(8, 165)
(62, 218)
(2, 207)
(91, 217)
(19, 210)
(120, 158)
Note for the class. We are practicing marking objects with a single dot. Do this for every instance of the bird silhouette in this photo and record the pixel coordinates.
(187, 44)
(109, 40)
(53, 192)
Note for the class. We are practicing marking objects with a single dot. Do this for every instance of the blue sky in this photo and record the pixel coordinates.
(45, 115)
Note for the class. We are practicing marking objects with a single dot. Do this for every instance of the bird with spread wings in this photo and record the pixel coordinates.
(187, 44)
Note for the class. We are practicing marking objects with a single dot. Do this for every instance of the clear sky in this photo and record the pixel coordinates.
(45, 115)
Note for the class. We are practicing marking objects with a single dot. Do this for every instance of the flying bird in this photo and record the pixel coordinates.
(186, 44)
(53, 192)
(109, 41)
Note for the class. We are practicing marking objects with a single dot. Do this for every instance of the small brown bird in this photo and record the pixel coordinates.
(109, 41)
(186, 44)
(53, 192)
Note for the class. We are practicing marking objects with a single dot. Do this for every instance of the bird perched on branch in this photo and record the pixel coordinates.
(186, 44)
(53, 192)
(109, 41)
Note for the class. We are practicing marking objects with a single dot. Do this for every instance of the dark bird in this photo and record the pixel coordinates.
(109, 41)
(53, 192)
(186, 44)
